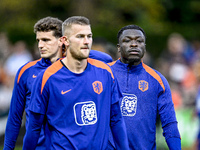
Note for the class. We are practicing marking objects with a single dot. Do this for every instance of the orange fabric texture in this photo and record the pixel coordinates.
(154, 74)
(100, 64)
(50, 71)
(30, 64)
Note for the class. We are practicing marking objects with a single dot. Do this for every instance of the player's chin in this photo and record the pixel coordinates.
(134, 59)
(83, 56)
(85, 53)
(44, 55)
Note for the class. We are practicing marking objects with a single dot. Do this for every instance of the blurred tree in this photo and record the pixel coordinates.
(17, 18)
(157, 18)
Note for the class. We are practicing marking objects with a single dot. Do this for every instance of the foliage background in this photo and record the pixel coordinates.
(158, 18)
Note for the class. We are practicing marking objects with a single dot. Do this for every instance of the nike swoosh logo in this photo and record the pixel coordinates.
(34, 76)
(64, 92)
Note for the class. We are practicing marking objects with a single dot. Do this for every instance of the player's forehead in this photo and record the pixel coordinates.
(132, 33)
(77, 29)
(44, 34)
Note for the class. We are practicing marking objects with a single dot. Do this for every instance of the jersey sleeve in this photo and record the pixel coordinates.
(15, 113)
(37, 110)
(174, 143)
(33, 131)
(117, 123)
(100, 56)
(167, 112)
(118, 127)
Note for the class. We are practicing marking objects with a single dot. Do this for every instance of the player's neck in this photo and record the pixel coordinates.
(56, 56)
(74, 65)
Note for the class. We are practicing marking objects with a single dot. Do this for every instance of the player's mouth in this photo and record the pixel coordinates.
(133, 51)
(42, 51)
(85, 47)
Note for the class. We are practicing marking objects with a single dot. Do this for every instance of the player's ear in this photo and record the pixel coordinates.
(64, 40)
(118, 48)
(60, 42)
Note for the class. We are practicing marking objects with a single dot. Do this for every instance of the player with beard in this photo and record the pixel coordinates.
(78, 96)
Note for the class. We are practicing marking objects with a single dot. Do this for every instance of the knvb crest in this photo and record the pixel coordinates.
(143, 85)
(97, 86)
(129, 105)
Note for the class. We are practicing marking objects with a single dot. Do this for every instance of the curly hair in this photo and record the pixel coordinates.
(49, 24)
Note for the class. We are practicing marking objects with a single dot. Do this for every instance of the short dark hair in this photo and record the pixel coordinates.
(49, 24)
(130, 27)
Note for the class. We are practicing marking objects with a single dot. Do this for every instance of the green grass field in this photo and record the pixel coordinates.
(16, 148)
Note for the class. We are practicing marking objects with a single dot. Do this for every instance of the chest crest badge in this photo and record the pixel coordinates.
(85, 113)
(97, 86)
(129, 105)
(143, 85)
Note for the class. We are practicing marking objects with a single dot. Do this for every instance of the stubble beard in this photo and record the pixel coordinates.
(79, 55)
